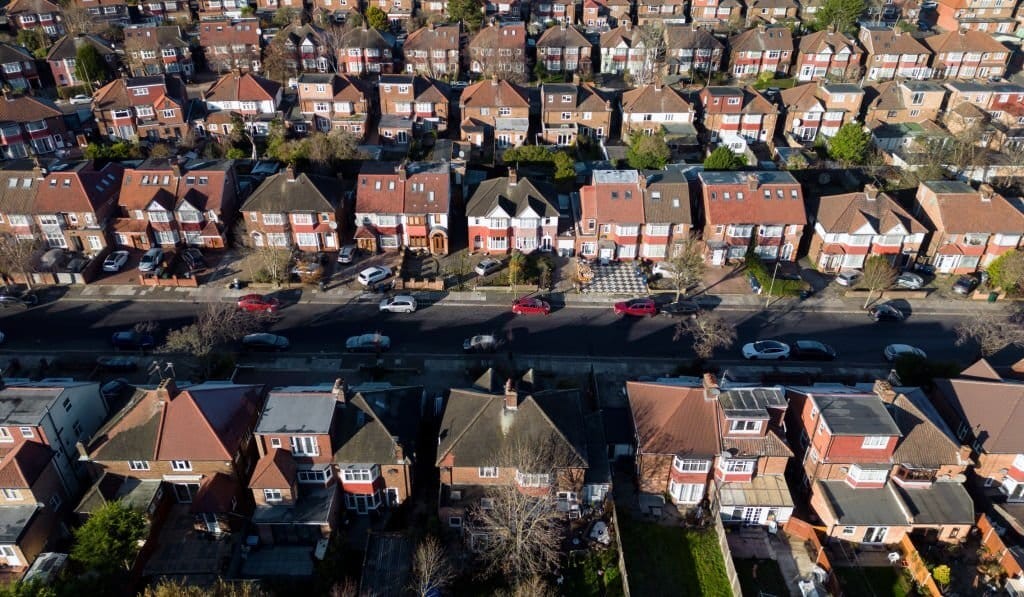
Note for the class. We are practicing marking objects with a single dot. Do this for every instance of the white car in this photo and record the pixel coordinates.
(663, 270)
(766, 350)
(848, 277)
(115, 261)
(481, 343)
(151, 260)
(487, 266)
(81, 99)
(374, 274)
(402, 303)
(897, 351)
(347, 254)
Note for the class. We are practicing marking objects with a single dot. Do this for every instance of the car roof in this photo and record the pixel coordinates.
(806, 343)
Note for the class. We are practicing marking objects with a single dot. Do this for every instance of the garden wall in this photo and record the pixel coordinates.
(995, 546)
(173, 281)
(730, 567)
(622, 557)
(918, 570)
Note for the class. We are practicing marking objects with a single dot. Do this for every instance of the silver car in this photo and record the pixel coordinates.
(151, 260)
(402, 303)
(909, 281)
(487, 266)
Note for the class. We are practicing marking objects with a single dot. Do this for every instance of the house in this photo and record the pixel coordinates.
(970, 228)
(328, 102)
(509, 213)
(364, 50)
(851, 227)
(560, 12)
(398, 11)
(433, 8)
(879, 463)
(718, 449)
(170, 203)
(418, 99)
(660, 13)
(892, 53)
(31, 126)
(295, 210)
(499, 48)
(668, 221)
(828, 54)
(18, 67)
(661, 109)
(62, 54)
(106, 12)
(512, 9)
(306, 49)
(434, 51)
(999, 102)
(692, 51)
(31, 507)
(819, 108)
(897, 102)
(156, 12)
(335, 12)
(404, 205)
(761, 209)
(427, 207)
(495, 113)
(573, 111)
(231, 44)
(961, 54)
(601, 15)
(255, 99)
(564, 48)
(611, 215)
(75, 204)
(32, 14)
(717, 15)
(623, 51)
(19, 183)
(197, 440)
(153, 50)
(215, 10)
(975, 15)
(152, 108)
(771, 12)
(738, 111)
(762, 49)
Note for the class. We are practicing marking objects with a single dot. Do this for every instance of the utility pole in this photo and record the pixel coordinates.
(771, 286)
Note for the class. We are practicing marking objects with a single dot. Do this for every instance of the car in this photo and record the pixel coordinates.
(480, 343)
(193, 258)
(81, 98)
(347, 254)
(530, 306)
(812, 350)
(640, 307)
(373, 342)
(766, 350)
(257, 302)
(967, 284)
(848, 277)
(402, 303)
(307, 267)
(663, 270)
(886, 312)
(115, 261)
(374, 274)
(898, 351)
(487, 266)
(114, 388)
(132, 340)
(265, 341)
(460, 84)
(151, 259)
(909, 281)
(11, 296)
(680, 309)
(755, 286)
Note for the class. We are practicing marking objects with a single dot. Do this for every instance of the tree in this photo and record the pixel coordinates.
(723, 158)
(688, 265)
(17, 256)
(221, 588)
(941, 574)
(516, 265)
(530, 587)
(653, 39)
(122, 150)
(431, 571)
(89, 64)
(992, 332)
(850, 145)
(270, 264)
(34, 40)
(76, 18)
(565, 167)
(648, 152)
(708, 331)
(284, 16)
(218, 324)
(469, 12)
(31, 588)
(564, 163)
(879, 274)
(377, 18)
(840, 14)
(108, 541)
(1007, 271)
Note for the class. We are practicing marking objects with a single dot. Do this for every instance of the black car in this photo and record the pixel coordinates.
(680, 309)
(966, 284)
(193, 259)
(14, 297)
(132, 340)
(886, 312)
(264, 341)
(811, 350)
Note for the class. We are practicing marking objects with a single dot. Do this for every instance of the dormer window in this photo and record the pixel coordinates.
(859, 475)
(688, 465)
(272, 495)
(875, 442)
(744, 426)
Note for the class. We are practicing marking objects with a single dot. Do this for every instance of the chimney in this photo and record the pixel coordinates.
(402, 171)
(166, 390)
(575, 79)
(965, 454)
(290, 172)
(494, 79)
(986, 191)
(338, 391)
(657, 84)
(563, 26)
(176, 170)
(399, 452)
(513, 177)
(628, 26)
(431, 25)
(871, 192)
(752, 181)
(83, 454)
(511, 396)
(711, 389)
(883, 390)
(831, 28)
(760, 27)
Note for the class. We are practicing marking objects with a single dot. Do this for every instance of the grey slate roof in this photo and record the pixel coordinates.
(944, 502)
(14, 520)
(27, 403)
(371, 421)
(308, 192)
(856, 414)
(513, 199)
(674, 205)
(298, 410)
(862, 506)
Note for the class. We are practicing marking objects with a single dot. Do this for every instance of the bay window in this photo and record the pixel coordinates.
(740, 230)
(733, 465)
(868, 475)
(690, 465)
(686, 493)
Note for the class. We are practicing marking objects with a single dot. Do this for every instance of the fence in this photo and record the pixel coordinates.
(918, 570)
(803, 531)
(993, 543)
(622, 557)
(730, 567)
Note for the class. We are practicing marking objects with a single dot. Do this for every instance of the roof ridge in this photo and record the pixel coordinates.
(544, 413)
(471, 422)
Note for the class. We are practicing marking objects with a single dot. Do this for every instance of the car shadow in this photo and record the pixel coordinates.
(287, 296)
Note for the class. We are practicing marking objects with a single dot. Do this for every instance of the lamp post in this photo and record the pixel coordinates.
(771, 286)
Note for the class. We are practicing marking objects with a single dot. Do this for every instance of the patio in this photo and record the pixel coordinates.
(616, 278)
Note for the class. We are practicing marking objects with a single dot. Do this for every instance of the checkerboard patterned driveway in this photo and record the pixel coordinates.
(616, 278)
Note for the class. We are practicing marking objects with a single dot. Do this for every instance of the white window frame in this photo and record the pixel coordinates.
(304, 445)
(138, 465)
(487, 472)
(691, 465)
(745, 426)
(272, 495)
(875, 442)
(181, 465)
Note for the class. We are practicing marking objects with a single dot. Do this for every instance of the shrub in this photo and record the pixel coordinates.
(764, 275)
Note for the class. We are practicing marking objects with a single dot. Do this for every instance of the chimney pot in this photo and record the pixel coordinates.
(290, 171)
(752, 181)
(338, 391)
(883, 390)
(166, 390)
(83, 454)
(511, 396)
(513, 176)
(871, 192)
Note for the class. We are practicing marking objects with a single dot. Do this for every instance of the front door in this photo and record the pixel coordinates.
(184, 492)
(875, 534)
(392, 496)
(607, 253)
(946, 263)
(437, 243)
(402, 137)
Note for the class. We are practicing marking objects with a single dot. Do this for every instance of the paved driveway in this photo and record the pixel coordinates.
(616, 278)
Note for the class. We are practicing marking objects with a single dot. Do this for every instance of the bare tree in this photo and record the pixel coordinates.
(76, 19)
(216, 325)
(708, 331)
(879, 274)
(530, 587)
(653, 39)
(278, 62)
(345, 588)
(992, 332)
(431, 571)
(17, 256)
(687, 265)
(269, 264)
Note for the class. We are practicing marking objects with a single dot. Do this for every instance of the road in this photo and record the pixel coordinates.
(440, 329)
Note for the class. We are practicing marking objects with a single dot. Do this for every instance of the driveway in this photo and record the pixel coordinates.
(616, 278)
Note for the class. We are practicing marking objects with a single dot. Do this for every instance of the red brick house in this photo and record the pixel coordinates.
(564, 48)
(434, 51)
(19, 183)
(668, 221)
(819, 109)
(692, 51)
(75, 204)
(18, 67)
(828, 54)
(624, 52)
(153, 50)
(255, 99)
(967, 55)
(306, 49)
(110, 12)
(771, 11)
(738, 111)
(562, 12)
(851, 227)
(30, 507)
(499, 49)
(289, 209)
(511, 213)
(231, 44)
(893, 53)
(328, 102)
(762, 49)
(364, 50)
(571, 111)
(150, 108)
(716, 14)
(61, 57)
(716, 448)
(32, 14)
(31, 126)
(601, 15)
(611, 215)
(660, 13)
(495, 113)
(218, 9)
(403, 205)
(969, 228)
(976, 15)
(897, 102)
(744, 207)
(422, 101)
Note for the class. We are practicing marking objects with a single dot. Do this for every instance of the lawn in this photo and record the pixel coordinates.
(672, 561)
(878, 581)
(768, 577)
(582, 574)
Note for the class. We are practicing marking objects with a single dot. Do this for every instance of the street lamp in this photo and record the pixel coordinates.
(771, 286)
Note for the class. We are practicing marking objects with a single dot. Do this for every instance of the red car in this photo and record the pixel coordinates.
(641, 307)
(530, 306)
(256, 302)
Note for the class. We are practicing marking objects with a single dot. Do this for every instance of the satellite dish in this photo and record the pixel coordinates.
(333, 225)
(797, 122)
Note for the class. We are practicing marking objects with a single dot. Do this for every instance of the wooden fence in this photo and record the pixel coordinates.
(803, 531)
(997, 548)
(730, 567)
(622, 557)
(917, 567)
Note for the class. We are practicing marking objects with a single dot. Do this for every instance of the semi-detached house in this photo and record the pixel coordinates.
(512, 213)
(403, 204)
(298, 210)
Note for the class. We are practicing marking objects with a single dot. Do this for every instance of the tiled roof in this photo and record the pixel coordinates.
(217, 494)
(606, 198)
(673, 204)
(224, 32)
(375, 421)
(18, 197)
(833, 41)
(444, 37)
(673, 419)
(993, 409)
(427, 188)
(926, 442)
(753, 208)
(960, 209)
(246, 87)
(771, 444)
(20, 467)
(306, 193)
(363, 37)
(762, 39)
(655, 99)
(964, 40)
(562, 37)
(275, 470)
(13, 53)
(79, 188)
(887, 41)
(32, 7)
(150, 37)
(513, 199)
(389, 198)
(622, 34)
(691, 37)
(852, 211)
(67, 46)
(25, 108)
(507, 36)
(494, 92)
(802, 97)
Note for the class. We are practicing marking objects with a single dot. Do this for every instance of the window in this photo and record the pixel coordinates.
(273, 219)
(303, 219)
(744, 426)
(181, 465)
(272, 495)
(313, 476)
(55, 502)
(849, 530)
(455, 521)
(167, 113)
(685, 465)
(138, 465)
(140, 91)
(488, 472)
(868, 475)
(486, 503)
(566, 115)
(733, 465)
(5, 435)
(275, 442)
(740, 231)
(26, 432)
(358, 475)
(12, 494)
(875, 442)
(305, 445)
(532, 479)
(144, 111)
(686, 493)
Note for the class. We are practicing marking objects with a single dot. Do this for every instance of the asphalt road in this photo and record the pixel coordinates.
(440, 329)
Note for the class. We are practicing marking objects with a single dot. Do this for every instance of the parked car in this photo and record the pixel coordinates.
(886, 312)
(307, 267)
(663, 270)
(114, 388)
(460, 84)
(755, 286)
(967, 284)
(151, 259)
(264, 341)
(530, 306)
(639, 307)
(347, 254)
(81, 98)
(909, 281)
(680, 309)
(848, 277)
(402, 303)
(257, 302)
(481, 343)
(11, 296)
(115, 261)
(193, 258)
(766, 350)
(487, 266)
(374, 274)
(132, 340)
(897, 351)
(812, 350)
(374, 342)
